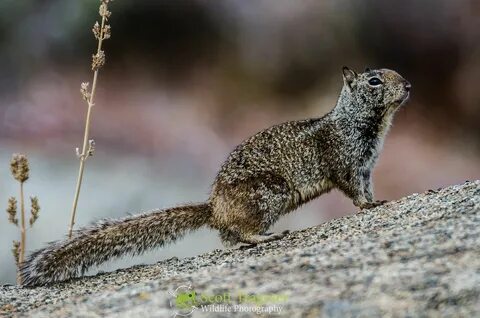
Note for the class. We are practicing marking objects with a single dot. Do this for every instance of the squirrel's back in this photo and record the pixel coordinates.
(289, 150)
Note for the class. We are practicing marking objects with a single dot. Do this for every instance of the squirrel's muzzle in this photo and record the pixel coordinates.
(407, 86)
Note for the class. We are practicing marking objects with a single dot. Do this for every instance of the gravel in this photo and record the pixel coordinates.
(418, 256)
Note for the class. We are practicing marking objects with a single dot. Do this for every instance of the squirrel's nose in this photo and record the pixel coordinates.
(408, 86)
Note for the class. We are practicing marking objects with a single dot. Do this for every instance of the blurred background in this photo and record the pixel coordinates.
(186, 81)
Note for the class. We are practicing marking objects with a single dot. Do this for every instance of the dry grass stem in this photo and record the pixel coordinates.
(20, 171)
(101, 31)
(23, 230)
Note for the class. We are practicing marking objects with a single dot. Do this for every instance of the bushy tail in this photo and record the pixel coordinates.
(107, 239)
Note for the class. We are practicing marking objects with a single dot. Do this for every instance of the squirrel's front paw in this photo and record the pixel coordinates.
(370, 205)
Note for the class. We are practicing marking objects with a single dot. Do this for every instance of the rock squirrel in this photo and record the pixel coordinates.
(266, 176)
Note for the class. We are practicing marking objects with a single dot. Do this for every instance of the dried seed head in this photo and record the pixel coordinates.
(91, 147)
(103, 10)
(19, 167)
(84, 91)
(12, 210)
(106, 32)
(35, 209)
(16, 251)
(98, 60)
(96, 30)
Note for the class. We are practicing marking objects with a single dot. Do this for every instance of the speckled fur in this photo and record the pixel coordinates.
(268, 175)
(107, 239)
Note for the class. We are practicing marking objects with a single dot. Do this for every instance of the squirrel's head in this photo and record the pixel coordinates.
(375, 90)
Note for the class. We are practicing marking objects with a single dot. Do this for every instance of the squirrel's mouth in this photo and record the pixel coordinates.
(403, 100)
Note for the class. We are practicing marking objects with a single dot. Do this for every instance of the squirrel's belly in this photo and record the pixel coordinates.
(311, 191)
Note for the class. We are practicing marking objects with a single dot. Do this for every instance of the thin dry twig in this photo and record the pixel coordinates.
(101, 31)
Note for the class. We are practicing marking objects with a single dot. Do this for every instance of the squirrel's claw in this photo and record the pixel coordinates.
(371, 205)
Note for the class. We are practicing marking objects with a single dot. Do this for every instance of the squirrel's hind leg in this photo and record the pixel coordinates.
(244, 212)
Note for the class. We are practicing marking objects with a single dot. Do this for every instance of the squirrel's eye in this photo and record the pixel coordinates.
(374, 81)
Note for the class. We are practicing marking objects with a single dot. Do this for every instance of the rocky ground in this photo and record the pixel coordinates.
(418, 256)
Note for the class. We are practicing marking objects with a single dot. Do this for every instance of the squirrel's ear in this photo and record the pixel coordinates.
(367, 70)
(349, 76)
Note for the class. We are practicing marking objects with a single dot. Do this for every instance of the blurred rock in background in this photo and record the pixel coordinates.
(185, 81)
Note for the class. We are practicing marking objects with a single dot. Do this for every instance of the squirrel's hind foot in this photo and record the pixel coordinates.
(371, 205)
(254, 239)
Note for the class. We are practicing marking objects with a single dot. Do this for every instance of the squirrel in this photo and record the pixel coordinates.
(268, 175)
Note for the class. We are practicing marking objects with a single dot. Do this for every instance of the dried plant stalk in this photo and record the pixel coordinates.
(20, 171)
(23, 231)
(101, 32)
